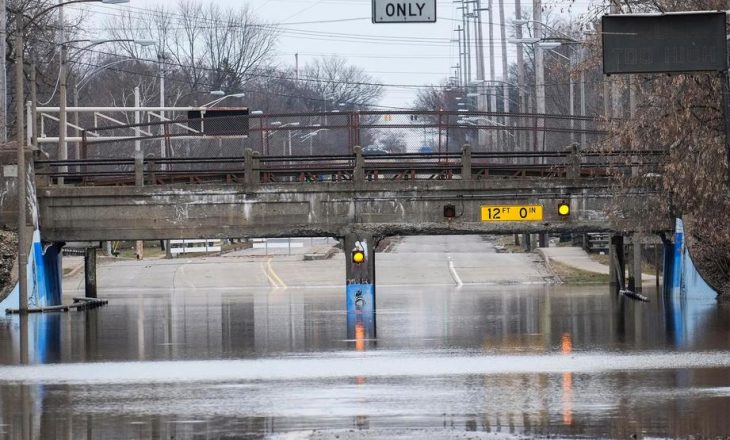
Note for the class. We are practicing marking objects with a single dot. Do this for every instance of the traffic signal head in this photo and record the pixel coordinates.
(358, 256)
(563, 209)
(449, 211)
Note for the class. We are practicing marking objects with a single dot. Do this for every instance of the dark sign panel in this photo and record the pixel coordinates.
(220, 122)
(682, 42)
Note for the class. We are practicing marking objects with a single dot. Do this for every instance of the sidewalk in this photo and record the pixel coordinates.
(578, 258)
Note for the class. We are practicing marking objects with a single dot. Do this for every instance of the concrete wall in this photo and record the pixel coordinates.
(311, 209)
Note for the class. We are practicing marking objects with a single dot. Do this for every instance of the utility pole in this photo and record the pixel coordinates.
(505, 74)
(23, 242)
(459, 31)
(77, 134)
(138, 153)
(465, 18)
(539, 76)
(3, 74)
(480, 41)
(62, 146)
(492, 76)
(163, 153)
(522, 104)
(33, 100)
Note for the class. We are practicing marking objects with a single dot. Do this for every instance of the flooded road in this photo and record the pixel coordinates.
(475, 362)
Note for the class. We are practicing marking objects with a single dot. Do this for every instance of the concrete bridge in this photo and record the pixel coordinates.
(358, 197)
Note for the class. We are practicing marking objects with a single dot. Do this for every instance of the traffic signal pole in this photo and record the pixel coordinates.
(359, 251)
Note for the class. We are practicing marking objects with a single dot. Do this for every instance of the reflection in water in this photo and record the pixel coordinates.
(307, 326)
(566, 347)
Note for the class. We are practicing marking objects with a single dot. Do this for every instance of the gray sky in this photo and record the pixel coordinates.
(398, 55)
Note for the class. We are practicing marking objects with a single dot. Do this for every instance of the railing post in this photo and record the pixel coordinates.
(139, 168)
(151, 169)
(358, 173)
(255, 168)
(466, 162)
(248, 166)
(573, 170)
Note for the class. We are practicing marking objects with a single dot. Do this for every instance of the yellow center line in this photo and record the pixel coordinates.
(268, 277)
(274, 275)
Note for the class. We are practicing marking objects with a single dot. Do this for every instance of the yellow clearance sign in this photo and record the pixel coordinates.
(511, 213)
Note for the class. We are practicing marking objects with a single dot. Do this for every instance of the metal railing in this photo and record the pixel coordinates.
(254, 168)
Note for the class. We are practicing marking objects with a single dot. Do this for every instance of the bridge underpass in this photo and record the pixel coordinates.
(130, 195)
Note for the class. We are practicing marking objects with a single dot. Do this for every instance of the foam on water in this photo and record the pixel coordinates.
(347, 365)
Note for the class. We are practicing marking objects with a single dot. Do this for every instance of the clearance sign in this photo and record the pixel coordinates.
(408, 11)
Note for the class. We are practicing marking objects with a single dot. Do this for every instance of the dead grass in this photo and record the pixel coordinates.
(508, 243)
(571, 275)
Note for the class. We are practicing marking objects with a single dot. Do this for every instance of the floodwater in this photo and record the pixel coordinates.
(497, 362)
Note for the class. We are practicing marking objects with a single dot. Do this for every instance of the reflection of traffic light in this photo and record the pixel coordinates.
(358, 256)
(563, 209)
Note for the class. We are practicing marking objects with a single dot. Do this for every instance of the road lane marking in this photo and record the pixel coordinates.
(454, 274)
(272, 282)
(280, 282)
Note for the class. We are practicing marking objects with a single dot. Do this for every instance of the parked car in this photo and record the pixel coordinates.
(373, 150)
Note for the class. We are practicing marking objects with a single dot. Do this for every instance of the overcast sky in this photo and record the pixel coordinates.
(401, 56)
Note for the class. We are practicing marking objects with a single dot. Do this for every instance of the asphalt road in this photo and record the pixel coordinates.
(422, 260)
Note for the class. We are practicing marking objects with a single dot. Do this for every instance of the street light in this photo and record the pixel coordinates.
(23, 241)
(279, 124)
(63, 90)
(551, 44)
(219, 93)
(311, 136)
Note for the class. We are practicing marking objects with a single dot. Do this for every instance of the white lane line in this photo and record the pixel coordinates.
(454, 274)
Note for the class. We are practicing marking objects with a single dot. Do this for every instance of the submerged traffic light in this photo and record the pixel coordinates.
(358, 256)
(563, 209)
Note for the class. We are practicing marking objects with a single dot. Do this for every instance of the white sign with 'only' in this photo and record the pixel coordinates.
(404, 11)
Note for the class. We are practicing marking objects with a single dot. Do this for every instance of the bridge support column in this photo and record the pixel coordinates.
(634, 257)
(617, 264)
(360, 279)
(90, 272)
(526, 242)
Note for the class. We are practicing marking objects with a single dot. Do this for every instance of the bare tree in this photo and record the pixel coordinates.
(681, 114)
(200, 47)
(338, 82)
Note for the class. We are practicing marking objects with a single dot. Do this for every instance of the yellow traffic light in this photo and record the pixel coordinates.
(563, 209)
(358, 256)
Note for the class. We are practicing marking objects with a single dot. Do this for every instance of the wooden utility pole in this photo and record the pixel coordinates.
(23, 242)
(522, 101)
(539, 75)
(3, 74)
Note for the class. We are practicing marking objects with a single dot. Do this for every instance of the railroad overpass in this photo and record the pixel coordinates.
(355, 196)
